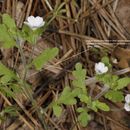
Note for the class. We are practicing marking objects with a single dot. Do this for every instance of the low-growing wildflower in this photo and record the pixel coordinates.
(100, 68)
(34, 22)
(127, 102)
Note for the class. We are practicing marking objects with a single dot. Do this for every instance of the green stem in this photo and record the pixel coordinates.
(27, 91)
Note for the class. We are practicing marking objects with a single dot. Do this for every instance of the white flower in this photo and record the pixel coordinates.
(127, 98)
(127, 104)
(100, 68)
(34, 22)
(127, 107)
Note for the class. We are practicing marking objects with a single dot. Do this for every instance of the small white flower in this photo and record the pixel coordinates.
(127, 104)
(127, 107)
(127, 98)
(100, 68)
(34, 22)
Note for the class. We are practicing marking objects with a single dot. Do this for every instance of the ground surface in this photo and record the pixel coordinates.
(71, 33)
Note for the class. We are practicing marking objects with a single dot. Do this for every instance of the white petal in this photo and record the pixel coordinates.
(42, 24)
(31, 19)
(105, 69)
(127, 107)
(39, 19)
(28, 24)
(100, 68)
(34, 22)
(101, 65)
(127, 98)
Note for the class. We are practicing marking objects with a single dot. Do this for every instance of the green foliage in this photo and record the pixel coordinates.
(115, 96)
(11, 110)
(113, 81)
(106, 61)
(10, 89)
(5, 37)
(105, 78)
(84, 98)
(101, 105)
(122, 82)
(9, 85)
(29, 35)
(83, 117)
(8, 21)
(67, 97)
(6, 74)
(44, 57)
(7, 31)
(57, 110)
(79, 75)
(7, 91)
(95, 105)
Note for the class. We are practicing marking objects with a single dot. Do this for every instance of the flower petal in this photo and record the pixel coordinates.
(105, 69)
(34, 22)
(127, 98)
(31, 19)
(28, 24)
(127, 107)
(38, 21)
(100, 68)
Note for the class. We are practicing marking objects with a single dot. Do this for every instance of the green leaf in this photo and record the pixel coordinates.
(80, 109)
(102, 106)
(44, 57)
(123, 82)
(84, 98)
(5, 37)
(6, 74)
(84, 118)
(76, 92)
(93, 106)
(5, 71)
(114, 82)
(6, 91)
(57, 110)
(79, 75)
(5, 79)
(105, 78)
(115, 96)
(106, 61)
(8, 21)
(11, 110)
(70, 101)
(67, 97)
(15, 88)
(30, 35)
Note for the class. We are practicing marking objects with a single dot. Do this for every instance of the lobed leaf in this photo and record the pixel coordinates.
(84, 118)
(5, 37)
(123, 82)
(6, 74)
(102, 106)
(67, 97)
(44, 57)
(8, 21)
(57, 110)
(115, 96)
